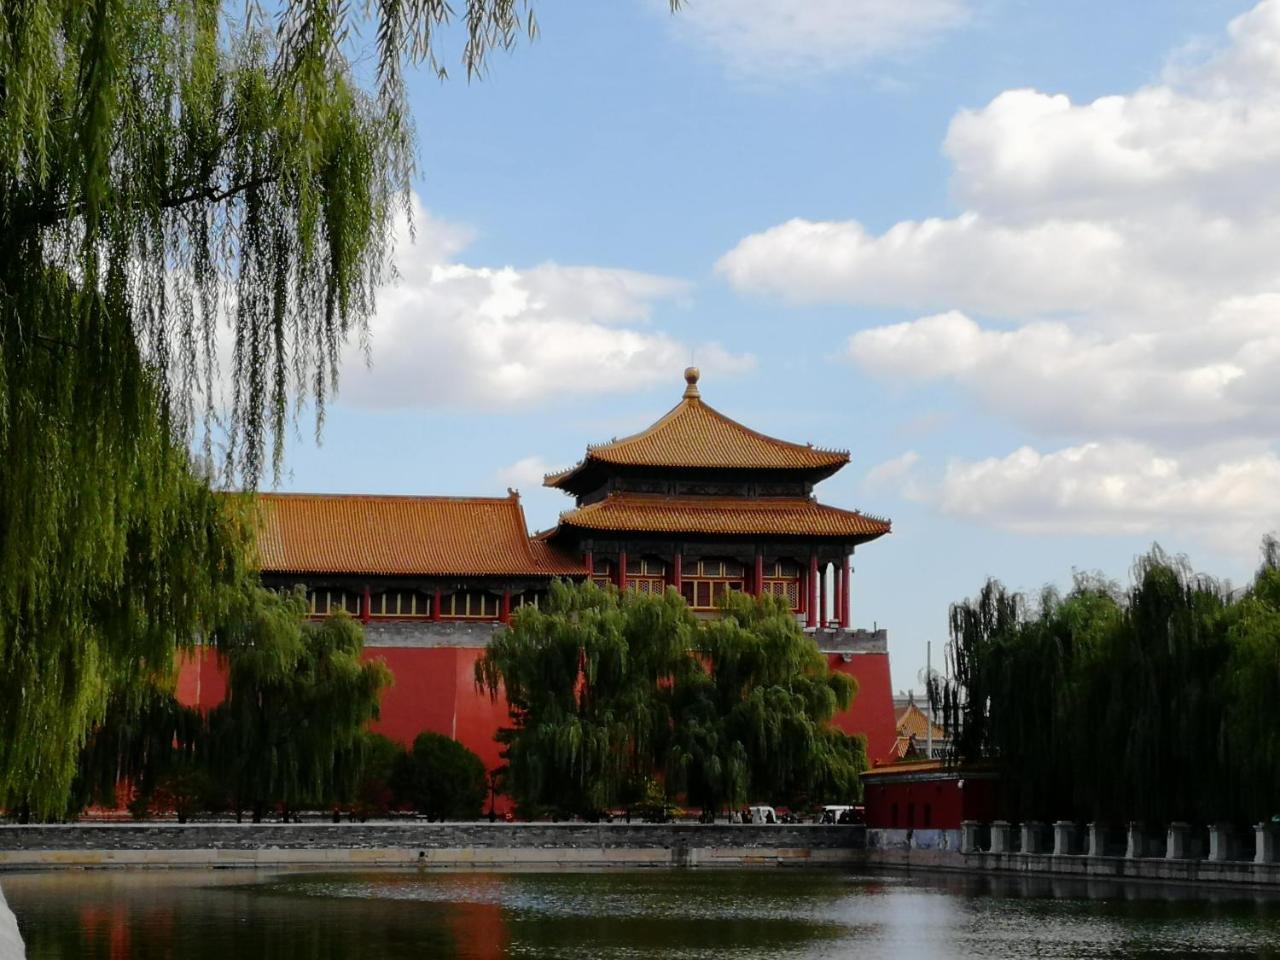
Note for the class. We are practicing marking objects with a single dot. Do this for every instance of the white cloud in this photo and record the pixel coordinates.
(449, 334)
(893, 472)
(525, 473)
(1182, 388)
(1117, 488)
(766, 38)
(1112, 279)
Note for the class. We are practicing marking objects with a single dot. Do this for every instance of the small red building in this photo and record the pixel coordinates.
(697, 502)
(927, 795)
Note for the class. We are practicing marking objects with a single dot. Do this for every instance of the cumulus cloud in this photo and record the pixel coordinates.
(763, 37)
(1118, 487)
(1112, 280)
(893, 472)
(1181, 387)
(525, 473)
(448, 333)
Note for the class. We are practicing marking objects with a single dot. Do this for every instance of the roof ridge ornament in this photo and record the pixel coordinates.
(691, 375)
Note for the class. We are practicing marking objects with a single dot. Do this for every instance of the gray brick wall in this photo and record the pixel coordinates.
(423, 836)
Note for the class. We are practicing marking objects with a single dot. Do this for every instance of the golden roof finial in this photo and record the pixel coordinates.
(691, 375)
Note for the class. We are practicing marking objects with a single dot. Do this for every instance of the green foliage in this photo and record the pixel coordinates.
(757, 716)
(166, 165)
(143, 745)
(376, 765)
(1155, 704)
(611, 693)
(298, 697)
(442, 779)
(582, 676)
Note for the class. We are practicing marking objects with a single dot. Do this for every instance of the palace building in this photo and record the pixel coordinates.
(697, 502)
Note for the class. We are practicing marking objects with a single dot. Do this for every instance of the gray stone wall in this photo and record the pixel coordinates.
(424, 836)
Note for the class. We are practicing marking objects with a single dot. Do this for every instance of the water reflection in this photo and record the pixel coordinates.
(201, 915)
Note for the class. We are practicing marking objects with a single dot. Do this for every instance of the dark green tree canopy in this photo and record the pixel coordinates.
(612, 691)
(299, 696)
(442, 779)
(1155, 703)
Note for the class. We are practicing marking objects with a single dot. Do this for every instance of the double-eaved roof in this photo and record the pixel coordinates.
(730, 516)
(359, 534)
(693, 435)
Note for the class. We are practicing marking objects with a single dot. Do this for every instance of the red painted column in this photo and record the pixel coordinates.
(366, 605)
(677, 571)
(505, 615)
(435, 605)
(590, 563)
(622, 569)
(812, 589)
(757, 581)
(824, 595)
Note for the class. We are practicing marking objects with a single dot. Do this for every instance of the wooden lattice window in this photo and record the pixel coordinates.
(321, 603)
(470, 605)
(646, 575)
(602, 572)
(399, 603)
(707, 582)
(528, 598)
(782, 579)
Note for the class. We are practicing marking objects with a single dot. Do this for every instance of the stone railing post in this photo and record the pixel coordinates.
(1064, 836)
(1137, 845)
(1264, 849)
(1097, 840)
(1032, 834)
(1001, 836)
(969, 836)
(1219, 842)
(1176, 845)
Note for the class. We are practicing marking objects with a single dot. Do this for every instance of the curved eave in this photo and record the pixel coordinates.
(764, 517)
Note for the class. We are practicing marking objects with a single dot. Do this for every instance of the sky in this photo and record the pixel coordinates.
(1019, 258)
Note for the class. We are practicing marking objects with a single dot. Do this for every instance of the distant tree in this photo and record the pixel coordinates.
(582, 677)
(442, 779)
(298, 697)
(1148, 704)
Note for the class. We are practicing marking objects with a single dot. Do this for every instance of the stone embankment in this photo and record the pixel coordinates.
(1214, 855)
(441, 845)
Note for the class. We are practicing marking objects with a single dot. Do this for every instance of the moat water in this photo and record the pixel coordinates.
(768, 913)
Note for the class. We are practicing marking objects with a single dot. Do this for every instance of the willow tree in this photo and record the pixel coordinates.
(299, 697)
(583, 677)
(179, 183)
(753, 719)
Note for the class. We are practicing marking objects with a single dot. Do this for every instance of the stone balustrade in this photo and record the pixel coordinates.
(1177, 852)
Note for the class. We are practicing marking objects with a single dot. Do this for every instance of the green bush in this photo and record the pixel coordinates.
(442, 779)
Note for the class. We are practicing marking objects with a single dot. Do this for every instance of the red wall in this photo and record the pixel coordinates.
(872, 710)
(434, 689)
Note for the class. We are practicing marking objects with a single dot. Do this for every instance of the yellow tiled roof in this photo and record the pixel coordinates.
(784, 516)
(913, 722)
(407, 536)
(694, 435)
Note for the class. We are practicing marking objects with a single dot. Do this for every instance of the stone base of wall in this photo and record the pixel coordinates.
(1128, 868)
(480, 846)
(885, 852)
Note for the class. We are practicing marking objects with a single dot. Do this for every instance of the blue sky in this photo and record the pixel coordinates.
(1073, 358)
